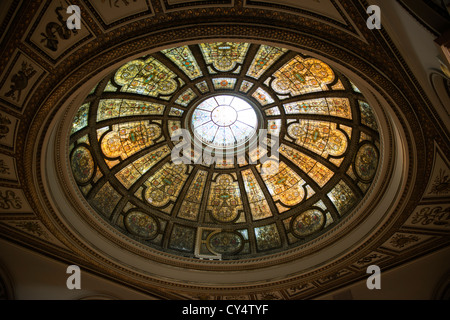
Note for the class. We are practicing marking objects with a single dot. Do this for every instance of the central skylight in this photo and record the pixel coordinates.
(224, 121)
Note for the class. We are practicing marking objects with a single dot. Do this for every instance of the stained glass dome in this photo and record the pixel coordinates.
(316, 154)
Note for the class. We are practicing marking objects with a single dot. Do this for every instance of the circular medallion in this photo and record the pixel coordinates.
(366, 162)
(82, 165)
(307, 223)
(141, 224)
(225, 242)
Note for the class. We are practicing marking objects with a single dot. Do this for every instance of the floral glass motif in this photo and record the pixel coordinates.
(185, 60)
(265, 57)
(82, 165)
(262, 97)
(342, 197)
(131, 173)
(190, 207)
(224, 83)
(174, 127)
(245, 86)
(317, 171)
(186, 98)
(127, 138)
(141, 224)
(285, 186)
(308, 222)
(114, 108)
(337, 107)
(224, 201)
(366, 162)
(258, 203)
(225, 242)
(202, 86)
(322, 138)
(224, 93)
(267, 237)
(272, 111)
(274, 127)
(165, 184)
(149, 77)
(224, 55)
(300, 76)
(176, 112)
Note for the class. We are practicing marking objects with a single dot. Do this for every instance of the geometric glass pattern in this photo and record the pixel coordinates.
(184, 59)
(224, 121)
(224, 56)
(301, 76)
(317, 149)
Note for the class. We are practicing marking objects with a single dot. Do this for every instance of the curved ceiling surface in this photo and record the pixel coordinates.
(224, 150)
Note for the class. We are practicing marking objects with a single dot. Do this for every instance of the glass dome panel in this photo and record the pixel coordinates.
(316, 156)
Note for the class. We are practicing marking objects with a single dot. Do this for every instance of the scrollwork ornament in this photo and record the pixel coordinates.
(436, 216)
(9, 200)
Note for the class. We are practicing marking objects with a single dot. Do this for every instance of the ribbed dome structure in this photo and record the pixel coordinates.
(224, 150)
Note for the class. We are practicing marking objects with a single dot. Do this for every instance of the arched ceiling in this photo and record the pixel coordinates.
(48, 72)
